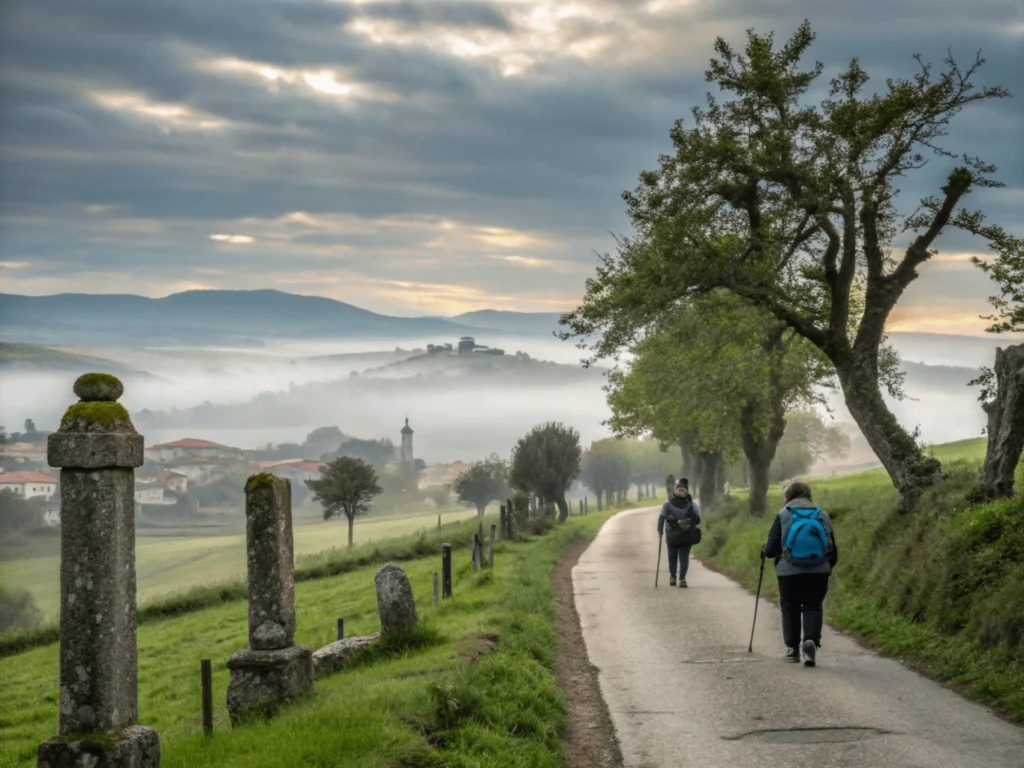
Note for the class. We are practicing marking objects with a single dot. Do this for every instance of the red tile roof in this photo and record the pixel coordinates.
(17, 478)
(190, 442)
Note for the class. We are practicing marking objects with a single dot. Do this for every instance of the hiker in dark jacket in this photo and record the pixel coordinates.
(679, 521)
(803, 562)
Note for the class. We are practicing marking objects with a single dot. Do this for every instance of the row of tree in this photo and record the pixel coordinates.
(764, 266)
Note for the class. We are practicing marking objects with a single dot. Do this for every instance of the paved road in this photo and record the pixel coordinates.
(684, 693)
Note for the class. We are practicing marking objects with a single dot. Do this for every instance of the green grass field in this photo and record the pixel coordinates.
(942, 587)
(165, 565)
(505, 710)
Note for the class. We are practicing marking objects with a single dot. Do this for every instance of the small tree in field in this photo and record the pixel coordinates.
(346, 486)
(483, 482)
(546, 462)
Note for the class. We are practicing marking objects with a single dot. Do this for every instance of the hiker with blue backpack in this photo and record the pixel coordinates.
(679, 523)
(803, 544)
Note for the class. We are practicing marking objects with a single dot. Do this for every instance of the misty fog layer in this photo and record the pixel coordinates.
(459, 409)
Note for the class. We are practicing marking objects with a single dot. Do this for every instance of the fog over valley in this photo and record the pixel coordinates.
(273, 385)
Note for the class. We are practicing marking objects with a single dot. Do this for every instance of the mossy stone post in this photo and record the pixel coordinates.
(97, 450)
(273, 669)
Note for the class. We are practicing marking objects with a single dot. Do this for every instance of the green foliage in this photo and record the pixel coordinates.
(346, 486)
(791, 460)
(546, 461)
(606, 468)
(376, 453)
(18, 513)
(482, 482)
(17, 609)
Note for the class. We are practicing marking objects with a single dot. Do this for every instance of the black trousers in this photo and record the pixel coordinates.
(801, 597)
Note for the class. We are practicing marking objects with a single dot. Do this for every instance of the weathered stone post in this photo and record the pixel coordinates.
(502, 512)
(395, 601)
(97, 450)
(273, 669)
(491, 552)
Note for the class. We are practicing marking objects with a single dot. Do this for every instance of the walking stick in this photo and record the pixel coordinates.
(658, 569)
(750, 648)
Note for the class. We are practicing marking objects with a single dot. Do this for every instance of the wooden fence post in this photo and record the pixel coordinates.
(206, 673)
(446, 570)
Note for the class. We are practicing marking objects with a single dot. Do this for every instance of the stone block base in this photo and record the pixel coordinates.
(133, 747)
(333, 657)
(261, 681)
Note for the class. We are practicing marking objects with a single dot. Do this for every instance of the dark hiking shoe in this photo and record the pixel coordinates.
(810, 650)
(671, 582)
(682, 583)
(792, 655)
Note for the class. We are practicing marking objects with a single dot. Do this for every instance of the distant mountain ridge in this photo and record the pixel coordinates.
(249, 318)
(211, 318)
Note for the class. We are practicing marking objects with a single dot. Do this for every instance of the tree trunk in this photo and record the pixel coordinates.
(760, 448)
(720, 472)
(1005, 424)
(689, 465)
(910, 470)
(480, 510)
(708, 478)
(599, 506)
(563, 508)
(351, 524)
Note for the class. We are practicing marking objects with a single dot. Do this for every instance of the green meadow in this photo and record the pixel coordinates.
(426, 706)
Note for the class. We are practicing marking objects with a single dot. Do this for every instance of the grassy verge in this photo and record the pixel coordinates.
(942, 589)
(415, 708)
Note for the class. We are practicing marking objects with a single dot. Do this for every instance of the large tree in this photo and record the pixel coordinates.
(731, 372)
(606, 469)
(376, 453)
(482, 482)
(809, 191)
(346, 486)
(545, 462)
(1003, 388)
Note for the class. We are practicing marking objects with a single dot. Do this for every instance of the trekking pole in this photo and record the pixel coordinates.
(750, 648)
(658, 569)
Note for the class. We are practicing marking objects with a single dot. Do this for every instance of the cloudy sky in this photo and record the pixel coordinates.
(410, 157)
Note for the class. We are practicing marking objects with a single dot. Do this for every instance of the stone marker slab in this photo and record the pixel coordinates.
(271, 567)
(262, 681)
(333, 657)
(395, 601)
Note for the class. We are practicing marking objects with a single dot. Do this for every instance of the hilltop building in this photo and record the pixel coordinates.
(406, 454)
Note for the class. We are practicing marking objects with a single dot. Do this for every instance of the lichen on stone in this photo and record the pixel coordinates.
(104, 414)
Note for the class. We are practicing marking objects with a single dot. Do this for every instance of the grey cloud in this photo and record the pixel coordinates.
(550, 152)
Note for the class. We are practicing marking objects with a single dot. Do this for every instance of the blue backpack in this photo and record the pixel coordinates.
(807, 542)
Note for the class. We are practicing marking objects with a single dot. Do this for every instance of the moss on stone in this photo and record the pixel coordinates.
(262, 480)
(95, 379)
(98, 387)
(105, 414)
(107, 741)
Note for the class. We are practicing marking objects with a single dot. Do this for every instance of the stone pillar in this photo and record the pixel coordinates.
(395, 601)
(273, 669)
(97, 450)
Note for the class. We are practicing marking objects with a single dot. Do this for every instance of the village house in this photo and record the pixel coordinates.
(150, 492)
(22, 453)
(169, 479)
(192, 448)
(29, 485)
